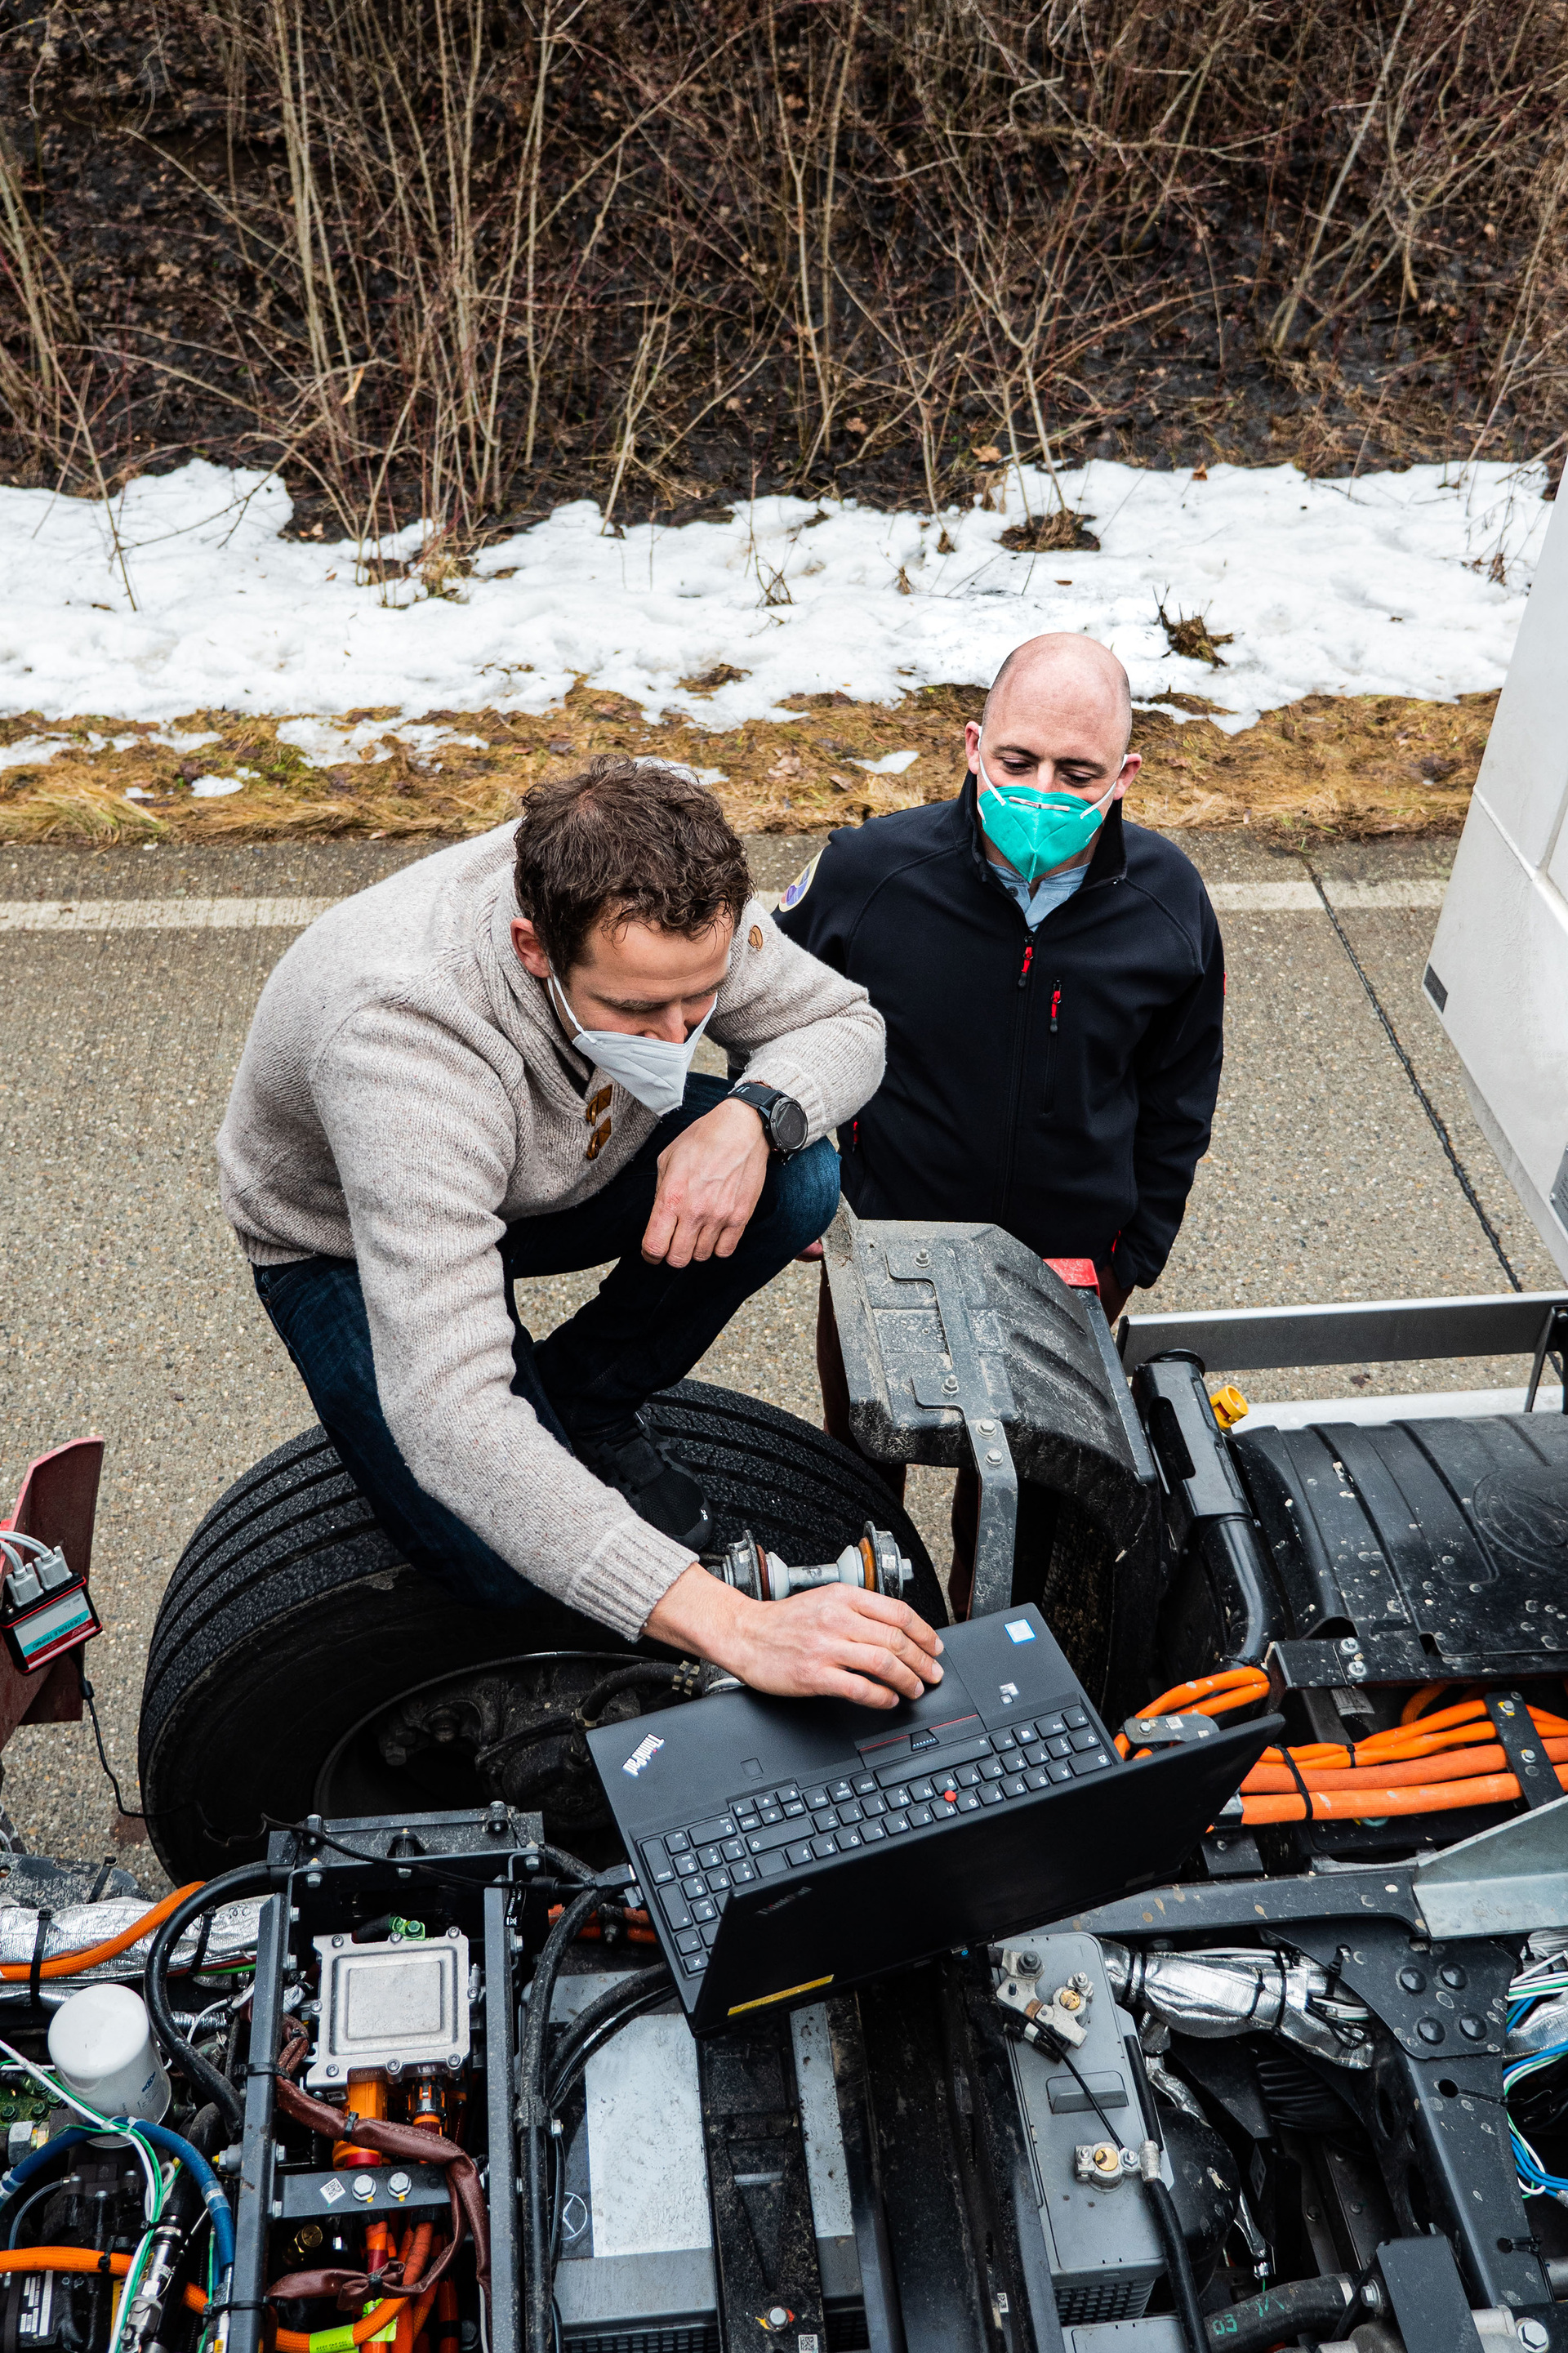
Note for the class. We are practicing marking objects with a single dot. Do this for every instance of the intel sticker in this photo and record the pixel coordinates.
(1020, 1631)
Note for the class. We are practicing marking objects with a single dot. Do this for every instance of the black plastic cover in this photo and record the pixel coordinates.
(1422, 1549)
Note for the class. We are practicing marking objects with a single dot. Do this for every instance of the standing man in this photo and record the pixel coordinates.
(1053, 984)
(479, 1070)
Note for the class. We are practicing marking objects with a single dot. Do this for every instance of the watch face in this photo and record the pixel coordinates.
(788, 1125)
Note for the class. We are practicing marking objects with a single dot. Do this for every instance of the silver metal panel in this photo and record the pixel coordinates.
(1365, 1332)
(1501, 1882)
(646, 2168)
(400, 2004)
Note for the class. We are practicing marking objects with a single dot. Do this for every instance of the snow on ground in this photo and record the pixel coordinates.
(182, 596)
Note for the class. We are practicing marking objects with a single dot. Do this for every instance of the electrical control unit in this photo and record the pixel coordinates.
(1087, 2108)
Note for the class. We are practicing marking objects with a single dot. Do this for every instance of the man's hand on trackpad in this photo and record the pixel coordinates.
(710, 1179)
(834, 1642)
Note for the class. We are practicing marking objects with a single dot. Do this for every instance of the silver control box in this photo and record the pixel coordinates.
(394, 2006)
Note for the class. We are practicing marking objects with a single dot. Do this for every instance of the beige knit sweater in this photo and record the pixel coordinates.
(401, 1100)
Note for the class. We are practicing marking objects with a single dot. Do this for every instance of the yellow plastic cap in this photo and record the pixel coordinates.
(1229, 1405)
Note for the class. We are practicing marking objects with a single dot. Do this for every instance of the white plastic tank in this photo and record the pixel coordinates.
(102, 2044)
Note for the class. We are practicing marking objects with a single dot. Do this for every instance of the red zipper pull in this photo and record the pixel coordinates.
(1055, 1001)
(1028, 960)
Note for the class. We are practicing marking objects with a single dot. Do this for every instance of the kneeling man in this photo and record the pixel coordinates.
(479, 1070)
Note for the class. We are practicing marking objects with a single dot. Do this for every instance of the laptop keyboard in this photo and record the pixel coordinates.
(689, 1872)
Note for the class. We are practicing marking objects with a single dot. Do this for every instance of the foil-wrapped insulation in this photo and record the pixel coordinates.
(76, 1927)
(1215, 1994)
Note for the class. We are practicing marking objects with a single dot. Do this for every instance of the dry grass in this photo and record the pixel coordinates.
(1352, 767)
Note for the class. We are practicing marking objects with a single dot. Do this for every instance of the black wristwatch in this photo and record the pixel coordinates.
(784, 1121)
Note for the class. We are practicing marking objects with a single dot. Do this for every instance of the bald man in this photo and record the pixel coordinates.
(1053, 985)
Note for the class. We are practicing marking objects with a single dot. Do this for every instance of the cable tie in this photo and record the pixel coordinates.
(1295, 1773)
(40, 1939)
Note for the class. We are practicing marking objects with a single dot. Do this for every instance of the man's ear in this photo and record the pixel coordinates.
(530, 953)
(1130, 768)
(971, 745)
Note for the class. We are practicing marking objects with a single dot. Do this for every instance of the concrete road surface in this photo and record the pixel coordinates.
(125, 1307)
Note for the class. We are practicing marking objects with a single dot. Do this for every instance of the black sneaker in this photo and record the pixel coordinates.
(658, 1490)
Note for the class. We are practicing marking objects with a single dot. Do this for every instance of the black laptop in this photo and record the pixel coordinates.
(787, 1847)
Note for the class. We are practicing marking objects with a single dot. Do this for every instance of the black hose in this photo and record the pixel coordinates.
(538, 2298)
(249, 1879)
(1179, 2269)
(50, 2189)
(1280, 2314)
(601, 2022)
(646, 1670)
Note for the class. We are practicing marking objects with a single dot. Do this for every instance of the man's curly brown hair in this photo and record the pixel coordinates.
(624, 841)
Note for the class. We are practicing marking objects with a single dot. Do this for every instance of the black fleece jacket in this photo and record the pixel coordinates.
(1059, 1083)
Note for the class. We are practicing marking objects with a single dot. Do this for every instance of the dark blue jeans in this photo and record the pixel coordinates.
(644, 1328)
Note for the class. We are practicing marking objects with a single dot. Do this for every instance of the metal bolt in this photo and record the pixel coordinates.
(1349, 1644)
(455, 2062)
(394, 2068)
(1429, 2029)
(985, 1428)
(337, 1943)
(1413, 1980)
(951, 1384)
(922, 1257)
(331, 2071)
(400, 2184)
(1452, 1975)
(454, 1934)
(993, 1454)
(363, 2185)
(1534, 2335)
(777, 2316)
(1356, 1670)
(1473, 2030)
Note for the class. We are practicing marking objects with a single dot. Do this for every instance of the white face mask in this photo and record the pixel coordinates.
(653, 1070)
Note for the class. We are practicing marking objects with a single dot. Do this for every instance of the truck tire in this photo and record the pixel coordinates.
(290, 1616)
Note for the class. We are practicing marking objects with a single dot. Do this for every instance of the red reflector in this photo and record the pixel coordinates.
(1077, 1274)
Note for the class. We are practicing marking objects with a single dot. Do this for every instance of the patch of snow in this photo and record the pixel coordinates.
(891, 764)
(214, 788)
(1406, 583)
(137, 792)
(32, 751)
(327, 746)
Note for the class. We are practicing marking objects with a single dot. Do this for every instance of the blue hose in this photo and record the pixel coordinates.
(172, 2144)
(25, 2166)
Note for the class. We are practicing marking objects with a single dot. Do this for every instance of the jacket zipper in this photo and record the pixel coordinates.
(1051, 1050)
(1015, 1078)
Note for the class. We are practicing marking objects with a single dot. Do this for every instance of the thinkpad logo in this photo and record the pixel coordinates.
(643, 1753)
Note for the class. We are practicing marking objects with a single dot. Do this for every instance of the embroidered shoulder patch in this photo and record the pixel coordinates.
(801, 885)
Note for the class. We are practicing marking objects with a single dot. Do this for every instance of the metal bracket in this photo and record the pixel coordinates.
(1527, 1760)
(964, 1377)
(1553, 1341)
(1501, 1882)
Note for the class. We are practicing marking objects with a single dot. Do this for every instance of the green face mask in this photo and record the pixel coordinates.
(1036, 830)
